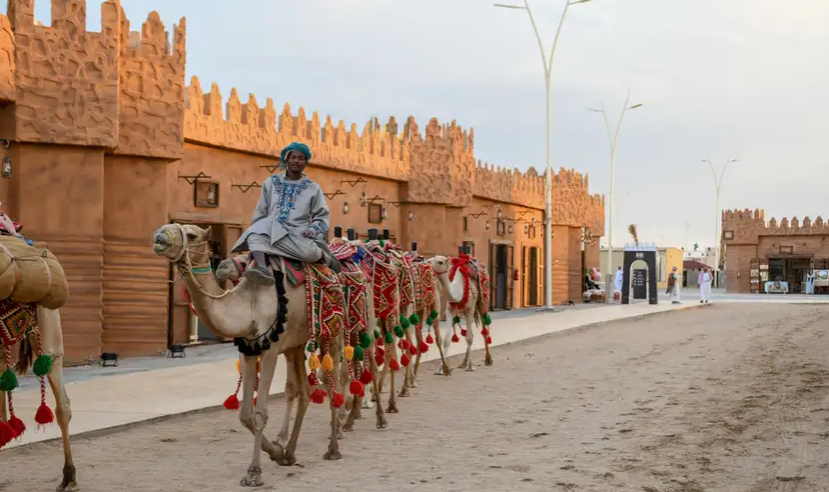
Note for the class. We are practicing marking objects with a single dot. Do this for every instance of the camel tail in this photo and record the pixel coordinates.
(25, 356)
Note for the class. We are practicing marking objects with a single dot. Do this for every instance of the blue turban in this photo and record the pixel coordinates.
(295, 147)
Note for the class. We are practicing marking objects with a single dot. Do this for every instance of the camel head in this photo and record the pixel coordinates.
(183, 244)
(440, 264)
(232, 268)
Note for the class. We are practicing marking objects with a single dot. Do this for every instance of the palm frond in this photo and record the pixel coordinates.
(633, 233)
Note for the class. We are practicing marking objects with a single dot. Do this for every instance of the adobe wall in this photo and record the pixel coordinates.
(103, 125)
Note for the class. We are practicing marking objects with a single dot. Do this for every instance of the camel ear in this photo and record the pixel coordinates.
(208, 233)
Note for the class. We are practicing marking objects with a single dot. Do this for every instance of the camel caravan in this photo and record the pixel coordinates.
(33, 288)
(342, 334)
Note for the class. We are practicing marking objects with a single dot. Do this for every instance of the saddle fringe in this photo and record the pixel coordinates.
(25, 356)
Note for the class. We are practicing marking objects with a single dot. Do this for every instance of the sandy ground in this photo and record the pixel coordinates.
(724, 398)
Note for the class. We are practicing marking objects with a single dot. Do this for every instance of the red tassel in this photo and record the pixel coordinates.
(489, 340)
(380, 351)
(455, 338)
(366, 377)
(357, 388)
(400, 344)
(318, 396)
(338, 400)
(405, 360)
(485, 332)
(463, 333)
(232, 402)
(312, 379)
(406, 345)
(6, 433)
(44, 415)
(379, 360)
(17, 426)
(412, 350)
(254, 400)
(424, 347)
(394, 365)
(429, 339)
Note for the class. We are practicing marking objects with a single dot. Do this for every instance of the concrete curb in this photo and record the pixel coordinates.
(92, 434)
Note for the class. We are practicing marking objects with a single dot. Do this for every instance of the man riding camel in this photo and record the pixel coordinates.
(291, 219)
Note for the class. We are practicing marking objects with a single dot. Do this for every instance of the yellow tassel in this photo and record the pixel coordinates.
(239, 366)
(327, 363)
(349, 352)
(314, 362)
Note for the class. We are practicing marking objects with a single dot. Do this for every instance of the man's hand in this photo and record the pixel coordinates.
(308, 233)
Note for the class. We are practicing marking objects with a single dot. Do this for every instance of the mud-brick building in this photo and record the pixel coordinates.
(757, 250)
(108, 142)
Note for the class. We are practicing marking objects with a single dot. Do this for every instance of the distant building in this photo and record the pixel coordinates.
(666, 259)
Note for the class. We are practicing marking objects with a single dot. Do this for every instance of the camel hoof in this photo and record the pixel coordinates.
(488, 361)
(69, 487)
(279, 453)
(367, 405)
(404, 394)
(463, 366)
(470, 369)
(382, 424)
(392, 409)
(253, 478)
(332, 455)
(348, 427)
(288, 460)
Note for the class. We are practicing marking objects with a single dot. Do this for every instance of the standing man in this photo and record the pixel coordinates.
(617, 283)
(291, 219)
(673, 286)
(705, 279)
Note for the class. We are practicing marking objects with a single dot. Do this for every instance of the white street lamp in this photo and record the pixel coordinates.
(548, 209)
(717, 185)
(613, 140)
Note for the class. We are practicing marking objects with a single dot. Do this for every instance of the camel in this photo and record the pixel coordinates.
(466, 303)
(262, 322)
(50, 343)
(232, 269)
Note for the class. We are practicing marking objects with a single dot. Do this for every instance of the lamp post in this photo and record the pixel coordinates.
(613, 140)
(717, 186)
(547, 62)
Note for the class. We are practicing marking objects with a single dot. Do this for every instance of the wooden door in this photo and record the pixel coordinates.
(493, 279)
(539, 264)
(525, 279)
(510, 274)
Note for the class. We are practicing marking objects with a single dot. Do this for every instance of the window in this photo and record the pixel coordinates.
(500, 227)
(375, 213)
(465, 224)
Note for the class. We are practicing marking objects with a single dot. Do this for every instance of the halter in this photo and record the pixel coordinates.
(187, 266)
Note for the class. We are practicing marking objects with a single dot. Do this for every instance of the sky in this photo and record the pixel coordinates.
(746, 79)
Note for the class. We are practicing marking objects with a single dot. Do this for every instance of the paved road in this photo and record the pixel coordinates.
(733, 397)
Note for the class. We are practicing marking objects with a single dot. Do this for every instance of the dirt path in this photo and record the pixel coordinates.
(726, 398)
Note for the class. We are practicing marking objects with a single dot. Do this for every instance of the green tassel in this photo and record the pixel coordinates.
(456, 320)
(433, 314)
(388, 338)
(487, 319)
(398, 330)
(376, 334)
(8, 381)
(365, 340)
(404, 323)
(429, 321)
(414, 319)
(358, 353)
(309, 347)
(42, 365)
(382, 243)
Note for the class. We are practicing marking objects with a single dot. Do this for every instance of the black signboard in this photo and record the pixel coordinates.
(640, 283)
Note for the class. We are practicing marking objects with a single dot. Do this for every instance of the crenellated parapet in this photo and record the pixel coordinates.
(442, 164)
(572, 202)
(247, 127)
(66, 78)
(6, 60)
(746, 226)
(151, 92)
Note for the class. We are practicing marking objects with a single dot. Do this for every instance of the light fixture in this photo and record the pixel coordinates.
(487, 225)
(411, 215)
(383, 213)
(526, 230)
(500, 213)
(345, 208)
(7, 161)
(363, 199)
(509, 229)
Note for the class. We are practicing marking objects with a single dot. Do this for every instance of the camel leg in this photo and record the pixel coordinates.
(407, 371)
(382, 423)
(470, 337)
(304, 390)
(333, 452)
(488, 358)
(256, 417)
(444, 369)
(356, 401)
(418, 340)
(391, 351)
(292, 388)
(63, 414)
(274, 449)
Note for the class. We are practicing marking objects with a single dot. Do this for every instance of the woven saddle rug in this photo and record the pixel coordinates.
(16, 321)
(425, 293)
(326, 306)
(472, 271)
(408, 275)
(385, 281)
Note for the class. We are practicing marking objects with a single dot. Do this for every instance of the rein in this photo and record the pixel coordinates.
(188, 267)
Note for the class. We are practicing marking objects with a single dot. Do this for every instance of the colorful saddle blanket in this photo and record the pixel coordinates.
(325, 302)
(16, 321)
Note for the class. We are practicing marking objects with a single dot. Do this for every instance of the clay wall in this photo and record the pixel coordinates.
(6, 60)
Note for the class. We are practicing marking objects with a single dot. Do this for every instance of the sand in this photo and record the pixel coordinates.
(723, 398)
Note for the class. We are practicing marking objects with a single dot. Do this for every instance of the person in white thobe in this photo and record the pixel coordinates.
(705, 279)
(617, 282)
(673, 286)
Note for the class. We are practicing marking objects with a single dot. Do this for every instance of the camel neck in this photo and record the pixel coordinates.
(452, 287)
(213, 304)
